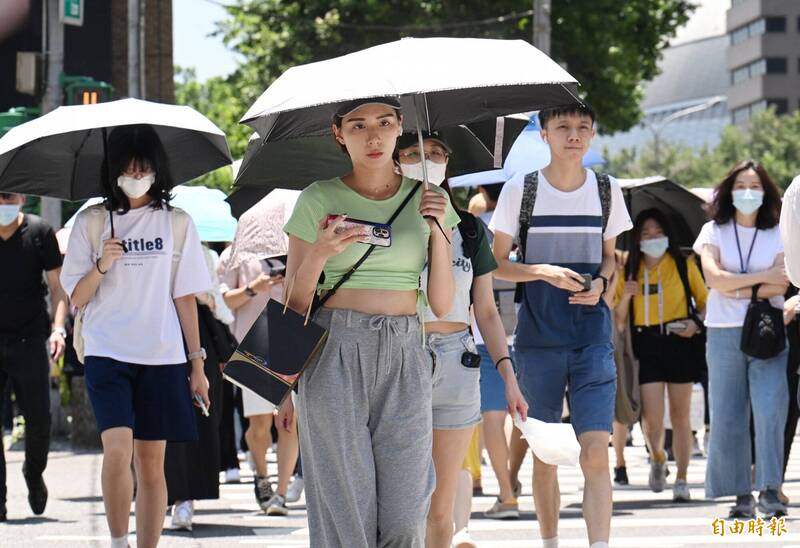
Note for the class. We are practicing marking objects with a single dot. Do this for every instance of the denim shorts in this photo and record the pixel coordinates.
(590, 374)
(493, 389)
(456, 387)
(151, 400)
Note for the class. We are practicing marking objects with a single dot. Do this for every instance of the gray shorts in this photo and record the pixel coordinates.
(456, 387)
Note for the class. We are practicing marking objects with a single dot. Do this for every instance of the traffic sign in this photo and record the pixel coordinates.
(71, 12)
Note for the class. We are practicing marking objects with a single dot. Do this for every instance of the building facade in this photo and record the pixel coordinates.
(763, 57)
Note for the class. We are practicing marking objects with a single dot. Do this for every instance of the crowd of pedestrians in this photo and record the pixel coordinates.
(386, 428)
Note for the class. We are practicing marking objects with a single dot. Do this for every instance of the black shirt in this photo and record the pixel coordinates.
(30, 251)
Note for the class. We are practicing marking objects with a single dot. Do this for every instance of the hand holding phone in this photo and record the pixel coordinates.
(198, 399)
(379, 234)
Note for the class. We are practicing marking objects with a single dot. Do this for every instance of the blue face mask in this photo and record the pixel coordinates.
(8, 213)
(655, 247)
(748, 201)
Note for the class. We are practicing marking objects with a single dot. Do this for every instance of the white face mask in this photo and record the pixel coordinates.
(135, 188)
(8, 213)
(655, 247)
(748, 201)
(436, 172)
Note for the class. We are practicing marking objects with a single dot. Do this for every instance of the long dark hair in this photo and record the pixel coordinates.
(140, 145)
(635, 258)
(721, 209)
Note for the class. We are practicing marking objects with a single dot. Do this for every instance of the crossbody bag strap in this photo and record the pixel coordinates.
(604, 191)
(366, 255)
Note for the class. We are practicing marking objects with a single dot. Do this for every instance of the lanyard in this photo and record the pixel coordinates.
(647, 298)
(743, 267)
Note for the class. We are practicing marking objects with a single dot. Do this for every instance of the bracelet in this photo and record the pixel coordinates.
(501, 360)
(61, 331)
(199, 355)
(97, 266)
(249, 291)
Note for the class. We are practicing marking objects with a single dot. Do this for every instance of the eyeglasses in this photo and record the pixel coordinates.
(413, 156)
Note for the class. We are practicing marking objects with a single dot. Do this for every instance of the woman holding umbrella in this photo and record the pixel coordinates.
(662, 335)
(137, 294)
(455, 358)
(364, 405)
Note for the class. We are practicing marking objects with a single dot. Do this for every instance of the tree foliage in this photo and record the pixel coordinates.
(768, 138)
(608, 45)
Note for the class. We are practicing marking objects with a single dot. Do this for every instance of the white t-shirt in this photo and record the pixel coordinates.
(132, 316)
(551, 201)
(723, 311)
(790, 230)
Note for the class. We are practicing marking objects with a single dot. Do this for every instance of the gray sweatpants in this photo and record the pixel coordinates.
(364, 418)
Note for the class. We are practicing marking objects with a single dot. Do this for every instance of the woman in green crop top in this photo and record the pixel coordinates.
(364, 403)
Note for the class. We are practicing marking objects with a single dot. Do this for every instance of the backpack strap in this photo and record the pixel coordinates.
(683, 273)
(470, 235)
(179, 220)
(525, 212)
(604, 190)
(95, 222)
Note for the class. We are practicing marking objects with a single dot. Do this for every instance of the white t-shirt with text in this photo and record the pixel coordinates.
(132, 316)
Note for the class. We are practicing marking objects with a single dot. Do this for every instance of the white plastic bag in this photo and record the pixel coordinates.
(552, 443)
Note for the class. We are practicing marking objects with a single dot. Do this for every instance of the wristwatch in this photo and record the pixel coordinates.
(199, 354)
(605, 283)
(61, 331)
(249, 291)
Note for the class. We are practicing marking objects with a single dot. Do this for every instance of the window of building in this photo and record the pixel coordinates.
(781, 105)
(775, 24)
(759, 27)
(776, 65)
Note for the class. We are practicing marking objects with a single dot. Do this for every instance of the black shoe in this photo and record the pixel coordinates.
(621, 475)
(263, 492)
(745, 508)
(37, 494)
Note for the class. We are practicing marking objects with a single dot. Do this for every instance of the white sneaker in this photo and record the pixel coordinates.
(182, 513)
(232, 475)
(680, 491)
(462, 540)
(295, 489)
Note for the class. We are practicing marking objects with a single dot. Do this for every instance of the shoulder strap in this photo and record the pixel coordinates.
(683, 272)
(526, 210)
(179, 220)
(95, 221)
(470, 235)
(369, 251)
(604, 190)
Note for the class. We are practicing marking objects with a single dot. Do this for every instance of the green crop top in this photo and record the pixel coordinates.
(397, 267)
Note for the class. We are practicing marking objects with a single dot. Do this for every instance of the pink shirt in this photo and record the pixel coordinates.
(234, 278)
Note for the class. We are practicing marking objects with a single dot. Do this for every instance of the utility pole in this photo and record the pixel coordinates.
(54, 55)
(541, 25)
(135, 48)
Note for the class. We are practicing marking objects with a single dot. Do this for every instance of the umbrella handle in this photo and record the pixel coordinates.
(108, 181)
(421, 145)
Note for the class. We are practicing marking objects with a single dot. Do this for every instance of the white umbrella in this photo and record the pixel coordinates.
(471, 79)
(259, 234)
(60, 154)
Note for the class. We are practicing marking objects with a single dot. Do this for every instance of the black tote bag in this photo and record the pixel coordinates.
(763, 333)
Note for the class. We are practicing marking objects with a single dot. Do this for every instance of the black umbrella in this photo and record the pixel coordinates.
(684, 210)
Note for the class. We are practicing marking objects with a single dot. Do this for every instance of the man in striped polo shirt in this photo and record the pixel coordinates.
(566, 219)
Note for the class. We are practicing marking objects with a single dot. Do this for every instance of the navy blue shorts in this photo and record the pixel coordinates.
(591, 374)
(493, 389)
(151, 400)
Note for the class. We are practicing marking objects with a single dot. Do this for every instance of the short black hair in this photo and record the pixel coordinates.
(138, 144)
(579, 109)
